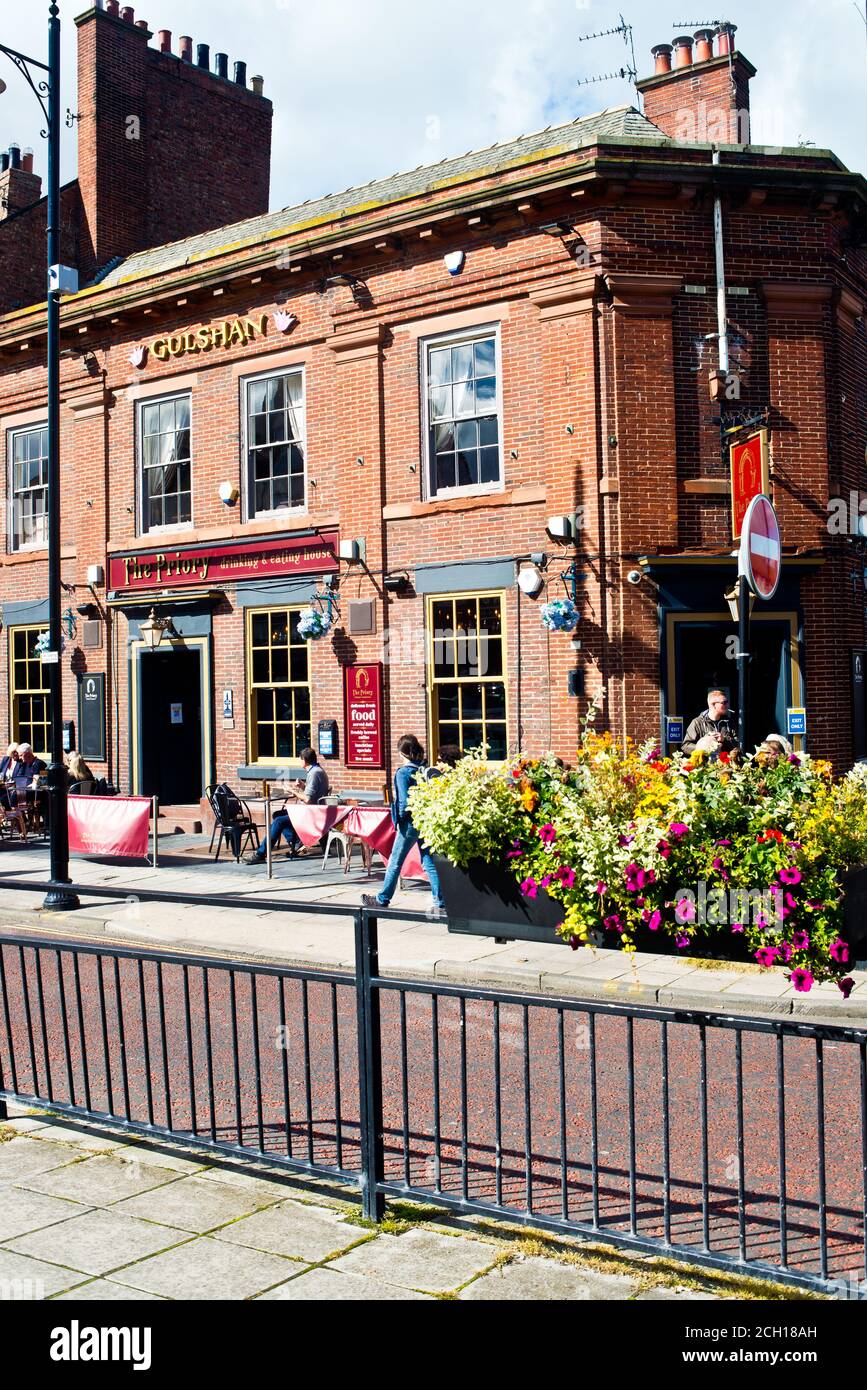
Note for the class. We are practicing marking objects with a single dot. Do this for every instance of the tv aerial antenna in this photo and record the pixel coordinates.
(629, 70)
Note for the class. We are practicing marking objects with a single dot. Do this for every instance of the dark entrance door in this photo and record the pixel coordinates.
(705, 659)
(170, 716)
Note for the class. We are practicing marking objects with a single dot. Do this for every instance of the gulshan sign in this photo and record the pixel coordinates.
(226, 334)
(223, 564)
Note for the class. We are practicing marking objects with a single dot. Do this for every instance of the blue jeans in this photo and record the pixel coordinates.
(406, 837)
(281, 825)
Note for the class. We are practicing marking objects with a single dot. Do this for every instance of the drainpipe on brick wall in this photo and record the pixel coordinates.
(722, 322)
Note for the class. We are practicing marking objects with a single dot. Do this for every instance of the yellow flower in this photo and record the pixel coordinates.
(529, 799)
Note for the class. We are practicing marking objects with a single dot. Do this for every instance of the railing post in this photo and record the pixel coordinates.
(269, 853)
(155, 810)
(369, 1064)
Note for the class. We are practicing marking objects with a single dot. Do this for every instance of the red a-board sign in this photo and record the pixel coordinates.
(362, 703)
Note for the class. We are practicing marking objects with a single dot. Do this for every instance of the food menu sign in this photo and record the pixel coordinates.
(749, 475)
(177, 566)
(362, 690)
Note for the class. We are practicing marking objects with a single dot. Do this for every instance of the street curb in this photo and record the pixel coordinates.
(628, 988)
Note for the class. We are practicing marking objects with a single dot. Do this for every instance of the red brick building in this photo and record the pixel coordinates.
(399, 398)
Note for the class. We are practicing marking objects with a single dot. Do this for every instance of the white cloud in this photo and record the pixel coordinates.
(363, 88)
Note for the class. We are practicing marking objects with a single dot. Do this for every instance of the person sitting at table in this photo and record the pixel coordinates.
(77, 770)
(311, 790)
(8, 761)
(28, 765)
(413, 766)
(7, 784)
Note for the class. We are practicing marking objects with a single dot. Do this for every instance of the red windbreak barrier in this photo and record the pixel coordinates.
(116, 826)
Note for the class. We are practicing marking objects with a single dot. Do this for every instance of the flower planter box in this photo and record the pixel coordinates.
(855, 914)
(485, 900)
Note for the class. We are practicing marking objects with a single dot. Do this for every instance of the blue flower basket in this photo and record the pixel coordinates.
(313, 624)
(560, 615)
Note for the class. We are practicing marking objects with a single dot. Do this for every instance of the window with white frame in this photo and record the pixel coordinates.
(276, 448)
(166, 463)
(28, 487)
(462, 412)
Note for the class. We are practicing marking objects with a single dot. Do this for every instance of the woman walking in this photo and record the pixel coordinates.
(412, 763)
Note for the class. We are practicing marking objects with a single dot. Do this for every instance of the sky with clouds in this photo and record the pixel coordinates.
(364, 88)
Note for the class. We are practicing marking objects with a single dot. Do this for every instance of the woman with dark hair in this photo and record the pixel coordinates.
(412, 763)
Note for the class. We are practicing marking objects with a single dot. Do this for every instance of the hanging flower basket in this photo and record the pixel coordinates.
(560, 615)
(313, 624)
(43, 643)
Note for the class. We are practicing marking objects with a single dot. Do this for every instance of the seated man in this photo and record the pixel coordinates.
(715, 729)
(27, 764)
(311, 790)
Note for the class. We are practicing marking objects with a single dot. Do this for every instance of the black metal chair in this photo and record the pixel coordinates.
(232, 819)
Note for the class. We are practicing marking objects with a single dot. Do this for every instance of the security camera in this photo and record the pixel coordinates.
(635, 576)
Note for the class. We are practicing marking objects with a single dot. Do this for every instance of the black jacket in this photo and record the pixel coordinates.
(703, 725)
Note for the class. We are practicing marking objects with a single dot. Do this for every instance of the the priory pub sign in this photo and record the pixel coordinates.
(224, 563)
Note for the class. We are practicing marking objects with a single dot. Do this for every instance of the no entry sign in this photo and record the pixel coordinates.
(761, 553)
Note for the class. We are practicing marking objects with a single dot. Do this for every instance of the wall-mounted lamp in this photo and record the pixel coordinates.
(731, 598)
(397, 583)
(530, 581)
(153, 629)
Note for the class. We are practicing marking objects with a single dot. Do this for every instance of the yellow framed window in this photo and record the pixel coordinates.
(31, 698)
(278, 682)
(466, 673)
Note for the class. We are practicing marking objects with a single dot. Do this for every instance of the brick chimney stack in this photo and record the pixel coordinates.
(166, 147)
(700, 89)
(19, 187)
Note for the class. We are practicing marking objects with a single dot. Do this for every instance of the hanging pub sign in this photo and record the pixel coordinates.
(224, 562)
(750, 475)
(362, 704)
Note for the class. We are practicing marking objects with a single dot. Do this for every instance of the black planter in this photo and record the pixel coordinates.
(485, 900)
(855, 913)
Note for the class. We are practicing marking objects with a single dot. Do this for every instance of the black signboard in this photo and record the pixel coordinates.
(91, 716)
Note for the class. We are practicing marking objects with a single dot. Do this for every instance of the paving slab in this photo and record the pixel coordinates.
(97, 1242)
(22, 1212)
(104, 1291)
(101, 1180)
(91, 1139)
(296, 1230)
(330, 1286)
(23, 1279)
(419, 1259)
(25, 1158)
(205, 1268)
(195, 1205)
(538, 1279)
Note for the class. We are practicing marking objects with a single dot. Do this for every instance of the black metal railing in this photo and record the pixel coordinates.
(734, 1143)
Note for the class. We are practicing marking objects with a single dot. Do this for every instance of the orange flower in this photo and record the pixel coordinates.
(529, 799)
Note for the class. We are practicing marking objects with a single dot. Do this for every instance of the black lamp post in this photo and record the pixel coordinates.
(47, 92)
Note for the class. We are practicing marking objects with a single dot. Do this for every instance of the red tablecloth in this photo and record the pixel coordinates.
(312, 822)
(373, 826)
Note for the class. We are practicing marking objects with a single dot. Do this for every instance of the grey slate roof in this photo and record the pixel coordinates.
(621, 122)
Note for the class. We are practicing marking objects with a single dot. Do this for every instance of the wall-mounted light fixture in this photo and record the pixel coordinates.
(154, 629)
(530, 580)
(229, 493)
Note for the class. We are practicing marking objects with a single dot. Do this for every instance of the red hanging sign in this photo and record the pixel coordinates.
(362, 707)
(223, 563)
(749, 475)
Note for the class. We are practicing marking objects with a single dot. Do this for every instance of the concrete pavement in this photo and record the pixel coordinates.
(88, 1214)
(423, 949)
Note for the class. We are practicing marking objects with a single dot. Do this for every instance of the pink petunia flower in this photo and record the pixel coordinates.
(802, 979)
(566, 876)
(543, 883)
(664, 848)
(678, 828)
(601, 888)
(613, 923)
(653, 920)
(624, 840)
(722, 842)
(684, 910)
(766, 955)
(839, 951)
(846, 986)
(791, 875)
(785, 951)
(681, 941)
(547, 834)
(529, 888)
(737, 926)
(800, 940)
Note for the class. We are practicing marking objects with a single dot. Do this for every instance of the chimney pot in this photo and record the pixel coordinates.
(165, 40)
(27, 162)
(703, 45)
(203, 55)
(241, 74)
(725, 40)
(4, 161)
(186, 47)
(258, 85)
(14, 156)
(112, 7)
(221, 65)
(141, 24)
(683, 51)
(127, 14)
(662, 57)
